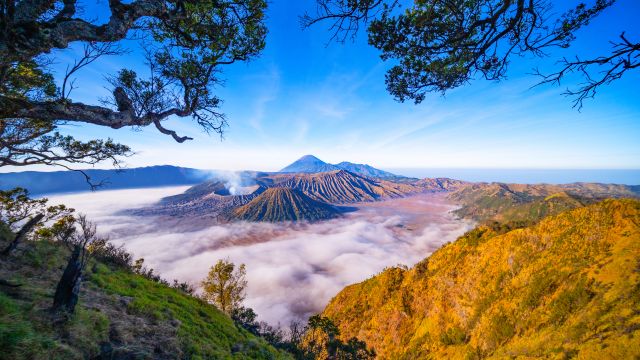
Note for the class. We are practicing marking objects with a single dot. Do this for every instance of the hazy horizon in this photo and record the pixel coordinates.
(507, 175)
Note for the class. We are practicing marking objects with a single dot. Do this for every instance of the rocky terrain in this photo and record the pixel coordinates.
(216, 204)
(221, 198)
(343, 187)
(284, 204)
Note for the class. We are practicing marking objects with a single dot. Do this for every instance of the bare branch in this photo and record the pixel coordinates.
(346, 17)
(438, 45)
(91, 52)
(625, 56)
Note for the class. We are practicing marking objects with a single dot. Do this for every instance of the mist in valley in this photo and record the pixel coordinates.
(293, 269)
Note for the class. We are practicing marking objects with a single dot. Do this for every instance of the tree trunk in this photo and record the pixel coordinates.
(68, 288)
(22, 233)
(332, 347)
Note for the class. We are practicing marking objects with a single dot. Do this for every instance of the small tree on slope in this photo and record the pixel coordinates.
(225, 286)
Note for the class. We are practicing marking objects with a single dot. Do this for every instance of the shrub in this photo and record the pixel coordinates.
(453, 336)
(110, 254)
(570, 300)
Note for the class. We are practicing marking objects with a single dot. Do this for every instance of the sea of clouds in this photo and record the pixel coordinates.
(293, 270)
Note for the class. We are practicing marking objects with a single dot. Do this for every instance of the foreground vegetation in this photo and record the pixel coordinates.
(566, 287)
(121, 314)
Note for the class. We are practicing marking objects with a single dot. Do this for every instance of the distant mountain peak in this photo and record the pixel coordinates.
(308, 164)
(310, 157)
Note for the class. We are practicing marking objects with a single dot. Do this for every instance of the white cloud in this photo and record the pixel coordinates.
(293, 270)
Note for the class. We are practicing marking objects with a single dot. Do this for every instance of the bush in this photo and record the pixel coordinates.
(453, 336)
(570, 300)
(501, 329)
(108, 253)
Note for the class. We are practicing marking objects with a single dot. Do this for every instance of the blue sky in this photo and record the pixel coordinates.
(304, 97)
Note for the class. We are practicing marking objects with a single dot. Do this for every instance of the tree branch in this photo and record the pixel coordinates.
(624, 56)
(22, 233)
(26, 39)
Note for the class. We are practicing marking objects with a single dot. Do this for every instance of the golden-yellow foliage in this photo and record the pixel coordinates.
(568, 286)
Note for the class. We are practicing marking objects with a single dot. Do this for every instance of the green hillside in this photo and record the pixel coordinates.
(120, 315)
(566, 287)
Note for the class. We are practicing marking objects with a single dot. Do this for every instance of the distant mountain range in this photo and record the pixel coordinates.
(306, 196)
(343, 187)
(311, 164)
(314, 191)
(44, 182)
(40, 182)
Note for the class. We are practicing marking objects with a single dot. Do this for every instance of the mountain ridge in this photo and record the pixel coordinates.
(506, 202)
(342, 187)
(308, 164)
(284, 204)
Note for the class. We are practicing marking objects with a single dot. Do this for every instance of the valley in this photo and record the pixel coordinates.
(300, 234)
(293, 269)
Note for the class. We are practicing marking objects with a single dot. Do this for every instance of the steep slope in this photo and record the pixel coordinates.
(120, 315)
(308, 164)
(282, 204)
(342, 187)
(567, 287)
(369, 171)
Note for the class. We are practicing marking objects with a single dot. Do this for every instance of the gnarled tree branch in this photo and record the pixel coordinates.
(187, 41)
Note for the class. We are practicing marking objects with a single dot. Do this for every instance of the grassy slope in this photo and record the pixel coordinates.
(128, 313)
(569, 286)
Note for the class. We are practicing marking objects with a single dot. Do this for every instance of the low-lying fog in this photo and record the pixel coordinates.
(293, 270)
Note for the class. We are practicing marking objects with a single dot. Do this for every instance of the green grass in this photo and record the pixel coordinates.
(149, 318)
(204, 332)
(24, 337)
